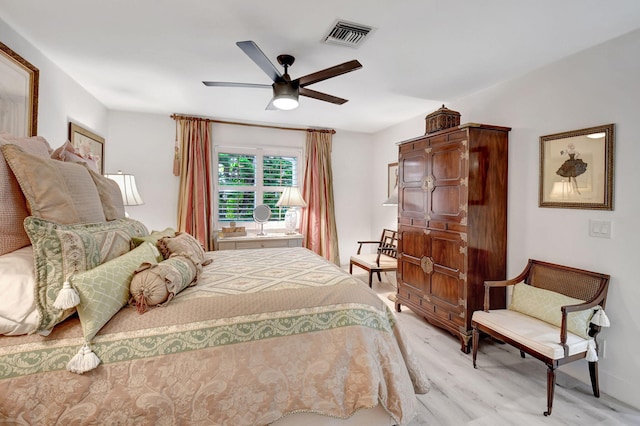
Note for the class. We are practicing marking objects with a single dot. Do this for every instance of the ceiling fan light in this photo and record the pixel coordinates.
(285, 103)
(285, 96)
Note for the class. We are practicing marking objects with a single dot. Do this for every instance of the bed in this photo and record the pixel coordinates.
(264, 336)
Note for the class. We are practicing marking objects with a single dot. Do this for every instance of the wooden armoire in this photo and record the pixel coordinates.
(452, 224)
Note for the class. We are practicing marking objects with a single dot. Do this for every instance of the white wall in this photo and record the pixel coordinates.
(60, 98)
(143, 145)
(598, 86)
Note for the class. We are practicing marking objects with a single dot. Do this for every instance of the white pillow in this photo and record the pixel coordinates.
(18, 311)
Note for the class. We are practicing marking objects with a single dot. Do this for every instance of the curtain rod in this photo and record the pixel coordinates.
(236, 123)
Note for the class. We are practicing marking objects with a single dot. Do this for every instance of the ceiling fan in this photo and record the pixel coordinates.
(286, 90)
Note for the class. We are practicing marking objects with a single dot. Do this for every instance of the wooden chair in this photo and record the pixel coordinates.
(552, 344)
(383, 260)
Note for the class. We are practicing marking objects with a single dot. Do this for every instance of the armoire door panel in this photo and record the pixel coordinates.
(447, 289)
(446, 164)
(413, 242)
(414, 168)
(448, 192)
(413, 277)
(447, 251)
(413, 202)
(445, 201)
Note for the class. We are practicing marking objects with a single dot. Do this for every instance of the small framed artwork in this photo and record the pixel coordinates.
(87, 145)
(392, 178)
(576, 169)
(18, 94)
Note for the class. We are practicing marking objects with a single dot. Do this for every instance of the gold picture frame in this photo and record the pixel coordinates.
(18, 94)
(576, 169)
(87, 144)
(392, 177)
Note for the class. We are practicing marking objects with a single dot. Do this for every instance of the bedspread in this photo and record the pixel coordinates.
(263, 334)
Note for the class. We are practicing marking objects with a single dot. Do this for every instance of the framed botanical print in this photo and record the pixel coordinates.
(576, 169)
(18, 94)
(87, 145)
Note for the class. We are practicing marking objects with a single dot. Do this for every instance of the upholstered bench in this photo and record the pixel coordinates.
(555, 314)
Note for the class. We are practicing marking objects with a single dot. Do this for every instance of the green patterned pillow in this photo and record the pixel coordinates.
(154, 237)
(104, 290)
(545, 305)
(60, 250)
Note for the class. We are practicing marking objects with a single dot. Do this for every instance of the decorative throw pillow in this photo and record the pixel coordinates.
(155, 284)
(67, 152)
(110, 195)
(104, 290)
(13, 206)
(545, 305)
(154, 236)
(185, 245)
(60, 250)
(58, 191)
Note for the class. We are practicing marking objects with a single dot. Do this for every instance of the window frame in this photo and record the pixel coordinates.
(260, 152)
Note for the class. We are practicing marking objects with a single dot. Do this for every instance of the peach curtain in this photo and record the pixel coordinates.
(194, 198)
(318, 223)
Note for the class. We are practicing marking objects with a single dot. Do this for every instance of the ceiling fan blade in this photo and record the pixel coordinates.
(303, 91)
(271, 106)
(253, 51)
(329, 73)
(230, 84)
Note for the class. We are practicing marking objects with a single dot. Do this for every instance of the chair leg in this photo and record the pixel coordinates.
(475, 342)
(522, 354)
(379, 279)
(351, 268)
(551, 384)
(370, 278)
(593, 372)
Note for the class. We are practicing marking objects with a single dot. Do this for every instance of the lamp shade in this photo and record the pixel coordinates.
(393, 198)
(291, 197)
(128, 188)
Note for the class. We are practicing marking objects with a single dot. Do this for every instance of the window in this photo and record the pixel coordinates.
(252, 177)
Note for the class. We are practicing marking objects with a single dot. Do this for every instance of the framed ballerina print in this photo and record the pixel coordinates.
(576, 169)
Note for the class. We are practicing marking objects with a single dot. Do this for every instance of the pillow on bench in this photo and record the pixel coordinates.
(545, 305)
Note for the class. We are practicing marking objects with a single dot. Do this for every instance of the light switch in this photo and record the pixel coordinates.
(600, 228)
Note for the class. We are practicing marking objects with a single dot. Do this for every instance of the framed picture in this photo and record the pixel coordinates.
(87, 144)
(392, 178)
(18, 94)
(576, 169)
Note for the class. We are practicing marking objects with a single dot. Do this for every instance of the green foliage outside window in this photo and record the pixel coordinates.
(241, 170)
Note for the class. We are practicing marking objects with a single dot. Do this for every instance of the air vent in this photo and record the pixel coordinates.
(346, 33)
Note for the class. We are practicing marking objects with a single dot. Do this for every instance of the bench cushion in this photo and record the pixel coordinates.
(545, 305)
(369, 261)
(531, 332)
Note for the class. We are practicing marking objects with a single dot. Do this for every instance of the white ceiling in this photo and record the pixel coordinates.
(152, 55)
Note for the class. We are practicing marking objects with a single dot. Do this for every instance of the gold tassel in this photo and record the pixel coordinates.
(176, 155)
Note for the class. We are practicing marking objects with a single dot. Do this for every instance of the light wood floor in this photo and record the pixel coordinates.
(504, 390)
